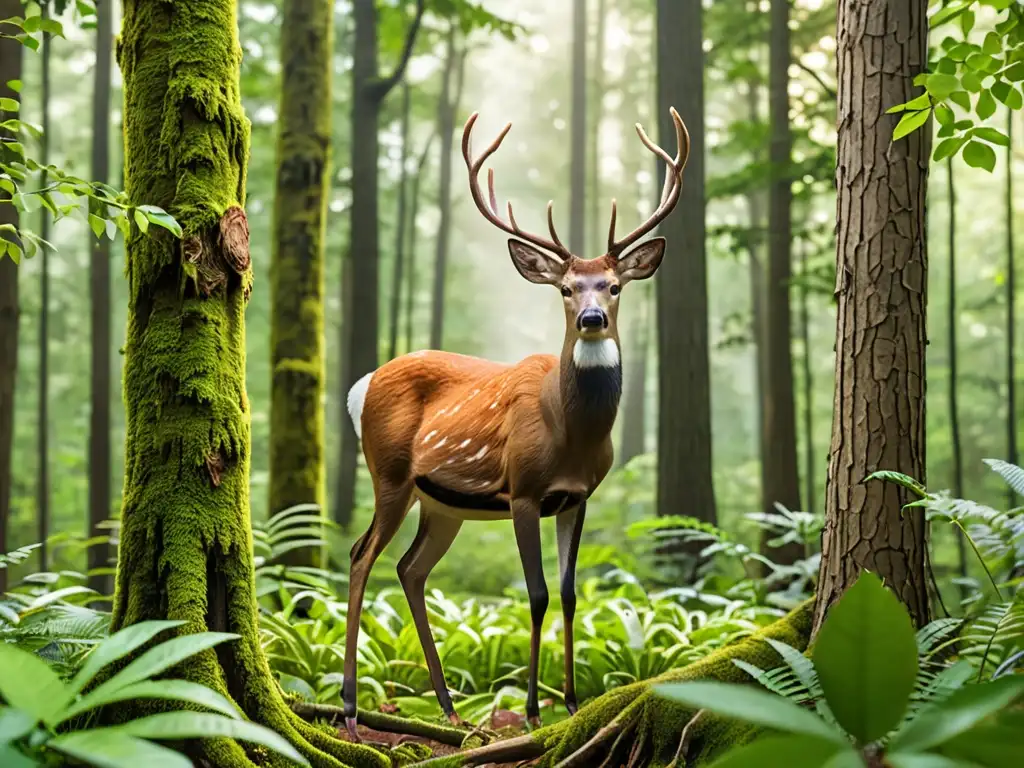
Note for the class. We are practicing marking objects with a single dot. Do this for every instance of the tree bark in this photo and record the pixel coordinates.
(881, 288)
(186, 537)
(634, 410)
(361, 272)
(685, 481)
(297, 469)
(782, 472)
(1011, 316)
(43, 397)
(400, 222)
(578, 132)
(99, 316)
(454, 70)
(597, 221)
(808, 382)
(412, 245)
(10, 69)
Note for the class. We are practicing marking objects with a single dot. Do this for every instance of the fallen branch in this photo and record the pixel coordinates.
(507, 751)
(378, 721)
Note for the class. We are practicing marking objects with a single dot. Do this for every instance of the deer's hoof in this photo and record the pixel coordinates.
(350, 727)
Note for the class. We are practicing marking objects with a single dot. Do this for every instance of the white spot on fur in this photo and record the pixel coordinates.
(600, 353)
(356, 400)
(441, 442)
(450, 461)
(478, 455)
(456, 409)
(442, 412)
(464, 443)
(430, 436)
(494, 405)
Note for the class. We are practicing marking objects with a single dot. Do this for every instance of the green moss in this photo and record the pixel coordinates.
(297, 473)
(186, 539)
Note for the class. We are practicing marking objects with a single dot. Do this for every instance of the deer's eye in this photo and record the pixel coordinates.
(566, 291)
(614, 290)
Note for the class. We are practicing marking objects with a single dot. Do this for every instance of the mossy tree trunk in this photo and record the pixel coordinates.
(186, 539)
(878, 419)
(297, 267)
(10, 69)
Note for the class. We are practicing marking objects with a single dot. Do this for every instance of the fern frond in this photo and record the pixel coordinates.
(1012, 475)
(995, 634)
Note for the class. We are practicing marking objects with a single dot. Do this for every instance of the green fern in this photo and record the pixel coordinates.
(995, 634)
(1011, 474)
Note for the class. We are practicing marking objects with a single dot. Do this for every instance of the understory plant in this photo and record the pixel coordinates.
(872, 704)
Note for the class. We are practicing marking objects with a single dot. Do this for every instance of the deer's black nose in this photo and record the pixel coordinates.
(590, 319)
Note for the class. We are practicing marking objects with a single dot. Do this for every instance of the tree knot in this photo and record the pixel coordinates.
(234, 239)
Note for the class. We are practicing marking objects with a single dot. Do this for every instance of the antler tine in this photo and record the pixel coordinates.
(611, 227)
(489, 206)
(551, 226)
(670, 191)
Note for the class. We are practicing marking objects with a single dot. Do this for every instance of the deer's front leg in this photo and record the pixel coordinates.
(526, 520)
(569, 530)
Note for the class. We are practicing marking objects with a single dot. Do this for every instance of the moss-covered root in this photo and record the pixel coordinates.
(634, 726)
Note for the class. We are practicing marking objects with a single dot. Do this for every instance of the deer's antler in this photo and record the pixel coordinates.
(669, 192)
(489, 206)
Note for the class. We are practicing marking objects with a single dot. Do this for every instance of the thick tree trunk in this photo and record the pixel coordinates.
(361, 272)
(578, 132)
(781, 470)
(1011, 316)
(881, 283)
(400, 224)
(99, 315)
(43, 397)
(186, 539)
(413, 244)
(10, 69)
(447, 106)
(297, 262)
(685, 482)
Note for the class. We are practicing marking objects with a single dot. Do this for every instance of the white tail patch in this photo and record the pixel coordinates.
(600, 353)
(356, 400)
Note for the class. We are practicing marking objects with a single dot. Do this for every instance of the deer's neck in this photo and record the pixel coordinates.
(590, 384)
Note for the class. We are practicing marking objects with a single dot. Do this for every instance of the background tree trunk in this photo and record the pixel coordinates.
(598, 223)
(413, 244)
(808, 381)
(43, 402)
(297, 262)
(361, 272)
(186, 538)
(99, 314)
(578, 132)
(782, 472)
(685, 481)
(881, 286)
(954, 409)
(400, 222)
(10, 69)
(1011, 316)
(634, 410)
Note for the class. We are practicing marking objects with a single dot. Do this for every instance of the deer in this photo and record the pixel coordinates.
(471, 439)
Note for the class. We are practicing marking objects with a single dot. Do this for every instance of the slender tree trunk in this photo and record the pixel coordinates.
(1011, 316)
(400, 221)
(782, 472)
(447, 106)
(99, 315)
(808, 382)
(297, 472)
(10, 69)
(881, 287)
(578, 132)
(413, 242)
(634, 411)
(954, 410)
(186, 538)
(361, 272)
(685, 480)
(43, 421)
(597, 221)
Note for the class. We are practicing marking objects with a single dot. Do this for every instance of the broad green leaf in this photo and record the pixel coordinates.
(143, 223)
(978, 155)
(14, 85)
(161, 218)
(967, 22)
(986, 105)
(105, 748)
(948, 148)
(162, 657)
(14, 724)
(910, 122)
(12, 758)
(1008, 95)
(176, 690)
(961, 98)
(751, 705)
(972, 81)
(8, 105)
(28, 683)
(944, 115)
(117, 646)
(195, 725)
(941, 86)
(993, 136)
(97, 224)
(866, 657)
(962, 710)
(791, 751)
(993, 44)
(992, 746)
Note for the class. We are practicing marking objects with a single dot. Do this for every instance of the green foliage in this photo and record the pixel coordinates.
(867, 688)
(37, 704)
(295, 528)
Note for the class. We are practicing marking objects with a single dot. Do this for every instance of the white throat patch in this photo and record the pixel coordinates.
(599, 353)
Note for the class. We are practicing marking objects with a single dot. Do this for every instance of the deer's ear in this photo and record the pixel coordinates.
(641, 262)
(535, 265)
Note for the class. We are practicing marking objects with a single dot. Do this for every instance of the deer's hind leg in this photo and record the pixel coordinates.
(392, 502)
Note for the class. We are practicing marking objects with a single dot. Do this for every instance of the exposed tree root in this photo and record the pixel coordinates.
(379, 721)
(647, 729)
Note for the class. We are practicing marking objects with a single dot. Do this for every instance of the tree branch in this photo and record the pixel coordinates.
(829, 90)
(383, 87)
